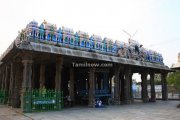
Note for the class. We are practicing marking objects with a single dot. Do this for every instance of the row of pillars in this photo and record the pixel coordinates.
(17, 83)
(27, 74)
(16, 78)
(123, 86)
(10, 81)
(152, 98)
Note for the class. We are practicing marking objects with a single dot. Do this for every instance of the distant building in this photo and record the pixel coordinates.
(177, 65)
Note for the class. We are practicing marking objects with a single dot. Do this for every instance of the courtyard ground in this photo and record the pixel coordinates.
(161, 110)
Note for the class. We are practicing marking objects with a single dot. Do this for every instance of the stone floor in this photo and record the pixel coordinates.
(7, 113)
(161, 110)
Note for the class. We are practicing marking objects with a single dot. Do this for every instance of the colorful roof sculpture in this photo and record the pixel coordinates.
(48, 38)
(65, 37)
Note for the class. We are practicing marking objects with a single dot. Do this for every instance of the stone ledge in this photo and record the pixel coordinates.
(40, 47)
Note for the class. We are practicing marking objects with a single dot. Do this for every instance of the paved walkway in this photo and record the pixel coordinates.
(7, 113)
(161, 110)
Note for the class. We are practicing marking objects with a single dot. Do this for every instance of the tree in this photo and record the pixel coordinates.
(157, 79)
(174, 80)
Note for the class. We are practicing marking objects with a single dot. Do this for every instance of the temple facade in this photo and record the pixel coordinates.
(81, 66)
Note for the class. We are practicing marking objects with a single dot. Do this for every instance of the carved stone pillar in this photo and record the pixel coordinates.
(91, 88)
(59, 66)
(144, 87)
(27, 77)
(164, 86)
(8, 84)
(127, 87)
(42, 76)
(0, 78)
(17, 89)
(3, 79)
(34, 75)
(11, 84)
(7, 77)
(131, 90)
(153, 94)
(71, 82)
(122, 72)
(117, 86)
(27, 74)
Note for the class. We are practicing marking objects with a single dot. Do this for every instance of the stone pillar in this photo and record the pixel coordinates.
(131, 90)
(34, 75)
(144, 87)
(42, 76)
(153, 93)
(7, 78)
(8, 84)
(164, 86)
(11, 84)
(27, 74)
(3, 79)
(127, 87)
(91, 88)
(59, 66)
(122, 72)
(1, 75)
(0, 78)
(117, 86)
(27, 77)
(71, 82)
(17, 88)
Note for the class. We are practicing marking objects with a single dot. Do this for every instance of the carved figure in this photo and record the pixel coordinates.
(47, 33)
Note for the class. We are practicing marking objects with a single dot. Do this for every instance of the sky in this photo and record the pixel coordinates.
(157, 22)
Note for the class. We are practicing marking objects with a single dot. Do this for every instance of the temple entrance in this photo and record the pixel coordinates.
(81, 87)
(50, 76)
(102, 86)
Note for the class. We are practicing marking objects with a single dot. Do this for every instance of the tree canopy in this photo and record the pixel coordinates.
(174, 79)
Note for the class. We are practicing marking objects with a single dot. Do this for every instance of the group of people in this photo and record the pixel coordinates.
(98, 103)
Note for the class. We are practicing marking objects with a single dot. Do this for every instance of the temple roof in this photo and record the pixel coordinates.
(51, 49)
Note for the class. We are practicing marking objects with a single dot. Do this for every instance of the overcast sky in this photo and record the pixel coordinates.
(157, 21)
